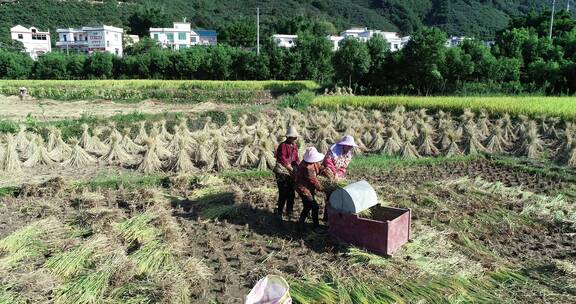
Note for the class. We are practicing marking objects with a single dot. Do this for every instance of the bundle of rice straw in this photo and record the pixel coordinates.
(9, 161)
(78, 158)
(496, 143)
(265, 159)
(221, 158)
(150, 163)
(532, 147)
(202, 153)
(129, 145)
(38, 154)
(61, 150)
(377, 142)
(52, 135)
(116, 154)
(471, 142)
(408, 150)
(85, 139)
(182, 163)
(427, 146)
(392, 144)
(247, 158)
(113, 133)
(142, 135)
(452, 148)
(21, 139)
(95, 145)
(164, 134)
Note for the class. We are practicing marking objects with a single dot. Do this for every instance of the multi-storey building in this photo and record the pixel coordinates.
(286, 41)
(182, 36)
(35, 42)
(91, 39)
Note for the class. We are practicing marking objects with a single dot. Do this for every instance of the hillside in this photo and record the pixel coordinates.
(479, 18)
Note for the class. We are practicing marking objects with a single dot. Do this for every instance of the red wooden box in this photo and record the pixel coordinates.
(388, 229)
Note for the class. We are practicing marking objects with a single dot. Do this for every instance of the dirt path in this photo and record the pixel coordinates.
(12, 108)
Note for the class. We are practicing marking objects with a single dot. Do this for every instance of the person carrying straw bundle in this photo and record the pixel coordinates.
(307, 184)
(286, 162)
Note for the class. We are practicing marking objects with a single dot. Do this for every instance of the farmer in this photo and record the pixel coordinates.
(286, 162)
(336, 165)
(23, 93)
(307, 184)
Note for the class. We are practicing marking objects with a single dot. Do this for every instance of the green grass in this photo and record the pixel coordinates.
(563, 107)
(7, 191)
(115, 181)
(186, 91)
(377, 162)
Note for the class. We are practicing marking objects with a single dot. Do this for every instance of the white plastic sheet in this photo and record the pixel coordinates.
(271, 289)
(354, 198)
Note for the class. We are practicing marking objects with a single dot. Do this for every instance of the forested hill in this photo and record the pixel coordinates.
(479, 18)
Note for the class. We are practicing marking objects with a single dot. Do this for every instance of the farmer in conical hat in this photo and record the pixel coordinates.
(307, 184)
(336, 165)
(286, 162)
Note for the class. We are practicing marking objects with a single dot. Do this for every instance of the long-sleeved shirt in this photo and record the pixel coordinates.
(337, 164)
(307, 179)
(286, 154)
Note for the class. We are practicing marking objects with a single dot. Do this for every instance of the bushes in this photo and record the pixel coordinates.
(299, 101)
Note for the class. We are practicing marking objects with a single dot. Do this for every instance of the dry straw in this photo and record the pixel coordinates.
(150, 163)
(9, 159)
(79, 158)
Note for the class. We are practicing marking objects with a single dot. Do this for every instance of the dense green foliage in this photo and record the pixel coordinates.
(479, 17)
(523, 60)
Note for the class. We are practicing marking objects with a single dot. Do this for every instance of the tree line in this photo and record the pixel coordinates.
(523, 60)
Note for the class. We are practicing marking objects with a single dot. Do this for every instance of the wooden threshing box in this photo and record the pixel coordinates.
(386, 230)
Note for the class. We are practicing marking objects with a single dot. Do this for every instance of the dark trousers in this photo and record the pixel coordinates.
(285, 195)
(309, 205)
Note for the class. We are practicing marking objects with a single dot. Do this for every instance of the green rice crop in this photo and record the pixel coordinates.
(563, 107)
(177, 90)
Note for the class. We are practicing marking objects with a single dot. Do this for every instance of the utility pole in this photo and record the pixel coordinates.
(568, 5)
(258, 31)
(552, 19)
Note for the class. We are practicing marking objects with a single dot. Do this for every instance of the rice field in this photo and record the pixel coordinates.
(563, 107)
(181, 208)
(186, 91)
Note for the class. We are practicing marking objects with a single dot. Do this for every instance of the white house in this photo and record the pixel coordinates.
(335, 40)
(394, 40)
(132, 39)
(182, 36)
(91, 39)
(455, 41)
(35, 42)
(286, 41)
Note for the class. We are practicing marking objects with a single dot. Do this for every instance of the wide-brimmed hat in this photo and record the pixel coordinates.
(292, 132)
(312, 155)
(347, 141)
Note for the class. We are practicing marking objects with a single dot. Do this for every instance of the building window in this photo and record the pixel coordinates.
(181, 36)
(117, 52)
(156, 37)
(193, 39)
(170, 37)
(20, 36)
(108, 43)
(395, 46)
(182, 46)
(33, 30)
(65, 38)
(116, 37)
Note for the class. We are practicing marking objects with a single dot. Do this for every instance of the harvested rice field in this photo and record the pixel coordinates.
(180, 208)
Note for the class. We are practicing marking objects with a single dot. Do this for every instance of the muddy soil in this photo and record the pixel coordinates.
(11, 108)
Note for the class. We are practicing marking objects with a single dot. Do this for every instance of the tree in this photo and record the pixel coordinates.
(352, 60)
(241, 32)
(458, 67)
(51, 66)
(75, 66)
(315, 53)
(14, 65)
(422, 58)
(100, 65)
(142, 20)
(378, 51)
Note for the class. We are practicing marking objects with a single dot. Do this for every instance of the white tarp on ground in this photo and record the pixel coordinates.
(354, 198)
